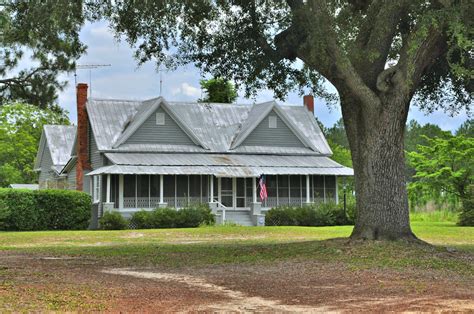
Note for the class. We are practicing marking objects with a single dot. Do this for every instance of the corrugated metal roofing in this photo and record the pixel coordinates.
(221, 165)
(60, 139)
(218, 171)
(220, 160)
(215, 126)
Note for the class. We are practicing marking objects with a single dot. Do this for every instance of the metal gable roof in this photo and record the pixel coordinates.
(217, 128)
(60, 140)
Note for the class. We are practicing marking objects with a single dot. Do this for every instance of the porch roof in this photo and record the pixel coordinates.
(220, 165)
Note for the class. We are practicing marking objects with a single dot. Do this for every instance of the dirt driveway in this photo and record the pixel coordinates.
(35, 282)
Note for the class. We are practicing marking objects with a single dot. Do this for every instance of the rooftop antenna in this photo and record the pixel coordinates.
(161, 70)
(88, 67)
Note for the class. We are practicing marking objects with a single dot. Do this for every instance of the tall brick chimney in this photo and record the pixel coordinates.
(308, 101)
(82, 136)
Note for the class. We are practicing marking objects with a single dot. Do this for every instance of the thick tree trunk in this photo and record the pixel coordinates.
(376, 140)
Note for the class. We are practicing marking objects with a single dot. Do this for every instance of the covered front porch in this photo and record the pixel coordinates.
(129, 193)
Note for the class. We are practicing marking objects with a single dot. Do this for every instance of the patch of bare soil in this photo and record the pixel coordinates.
(291, 286)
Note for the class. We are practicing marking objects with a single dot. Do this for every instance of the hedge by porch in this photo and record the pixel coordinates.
(26, 210)
(321, 214)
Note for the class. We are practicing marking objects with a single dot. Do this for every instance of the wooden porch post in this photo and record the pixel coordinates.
(337, 190)
(254, 190)
(234, 192)
(211, 189)
(107, 200)
(161, 189)
(324, 188)
(120, 204)
(307, 189)
(219, 190)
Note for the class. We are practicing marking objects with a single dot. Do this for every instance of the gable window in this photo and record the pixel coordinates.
(272, 122)
(160, 118)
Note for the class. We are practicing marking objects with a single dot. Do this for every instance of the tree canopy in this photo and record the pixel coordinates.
(45, 32)
(218, 90)
(21, 126)
(445, 164)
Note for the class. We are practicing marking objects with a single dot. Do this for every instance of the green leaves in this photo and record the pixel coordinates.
(218, 90)
(445, 164)
(48, 33)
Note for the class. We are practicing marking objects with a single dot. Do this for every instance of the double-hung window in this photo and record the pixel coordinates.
(96, 189)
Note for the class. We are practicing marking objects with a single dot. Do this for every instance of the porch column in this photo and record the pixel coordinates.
(337, 190)
(234, 192)
(324, 188)
(120, 191)
(254, 190)
(107, 199)
(307, 190)
(161, 189)
(219, 190)
(211, 189)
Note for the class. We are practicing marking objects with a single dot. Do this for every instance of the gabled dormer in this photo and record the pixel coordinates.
(267, 125)
(156, 123)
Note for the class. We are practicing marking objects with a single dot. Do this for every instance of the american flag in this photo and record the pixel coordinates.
(263, 188)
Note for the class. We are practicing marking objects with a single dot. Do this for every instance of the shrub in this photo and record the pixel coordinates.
(164, 218)
(142, 220)
(188, 217)
(323, 214)
(113, 221)
(65, 209)
(281, 216)
(25, 210)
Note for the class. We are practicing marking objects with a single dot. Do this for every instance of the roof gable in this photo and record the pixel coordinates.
(58, 140)
(280, 135)
(258, 114)
(145, 118)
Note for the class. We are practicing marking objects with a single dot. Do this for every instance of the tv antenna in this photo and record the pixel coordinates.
(161, 70)
(88, 67)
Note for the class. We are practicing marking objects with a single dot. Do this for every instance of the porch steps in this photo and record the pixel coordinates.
(240, 217)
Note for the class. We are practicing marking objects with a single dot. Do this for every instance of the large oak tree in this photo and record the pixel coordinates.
(380, 55)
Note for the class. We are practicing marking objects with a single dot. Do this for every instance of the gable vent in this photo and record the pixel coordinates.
(272, 122)
(160, 118)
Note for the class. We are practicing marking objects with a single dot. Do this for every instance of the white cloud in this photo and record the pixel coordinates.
(189, 90)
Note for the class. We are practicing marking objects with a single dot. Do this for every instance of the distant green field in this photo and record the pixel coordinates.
(226, 244)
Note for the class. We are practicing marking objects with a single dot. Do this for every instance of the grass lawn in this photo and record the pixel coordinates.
(234, 244)
(225, 246)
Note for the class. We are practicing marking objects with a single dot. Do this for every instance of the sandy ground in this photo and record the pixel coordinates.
(33, 282)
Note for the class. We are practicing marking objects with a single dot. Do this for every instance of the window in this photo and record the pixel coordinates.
(160, 118)
(96, 189)
(272, 122)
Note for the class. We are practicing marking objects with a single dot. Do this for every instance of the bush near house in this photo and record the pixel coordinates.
(324, 214)
(26, 210)
(113, 221)
(188, 217)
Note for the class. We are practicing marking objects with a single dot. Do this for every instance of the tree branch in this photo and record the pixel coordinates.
(323, 53)
(372, 46)
(21, 80)
(415, 62)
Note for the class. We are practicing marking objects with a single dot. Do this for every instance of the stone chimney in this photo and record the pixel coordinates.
(308, 101)
(82, 136)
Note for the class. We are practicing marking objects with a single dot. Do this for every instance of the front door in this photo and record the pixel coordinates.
(227, 194)
(233, 192)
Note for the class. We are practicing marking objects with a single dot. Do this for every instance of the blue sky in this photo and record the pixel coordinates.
(125, 80)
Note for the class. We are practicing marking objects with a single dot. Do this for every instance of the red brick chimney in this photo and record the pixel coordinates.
(308, 101)
(82, 136)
